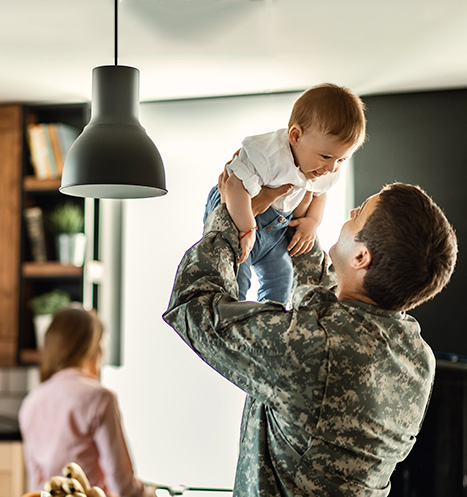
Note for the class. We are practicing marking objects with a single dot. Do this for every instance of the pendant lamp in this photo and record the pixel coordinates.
(114, 157)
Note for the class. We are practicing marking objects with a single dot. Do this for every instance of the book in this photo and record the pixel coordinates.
(56, 149)
(50, 159)
(49, 143)
(38, 150)
(35, 229)
(61, 136)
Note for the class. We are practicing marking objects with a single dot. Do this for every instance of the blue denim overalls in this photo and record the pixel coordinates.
(269, 256)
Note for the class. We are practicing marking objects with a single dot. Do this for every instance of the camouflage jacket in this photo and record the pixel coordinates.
(337, 390)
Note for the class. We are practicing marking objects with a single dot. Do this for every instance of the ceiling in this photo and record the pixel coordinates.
(199, 48)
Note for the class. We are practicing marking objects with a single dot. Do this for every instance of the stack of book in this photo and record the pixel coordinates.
(48, 144)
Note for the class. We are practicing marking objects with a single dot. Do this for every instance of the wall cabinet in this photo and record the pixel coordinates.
(21, 275)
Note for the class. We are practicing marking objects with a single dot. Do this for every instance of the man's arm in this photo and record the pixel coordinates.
(247, 342)
(311, 269)
(235, 338)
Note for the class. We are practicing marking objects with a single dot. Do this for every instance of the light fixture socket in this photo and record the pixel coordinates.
(114, 157)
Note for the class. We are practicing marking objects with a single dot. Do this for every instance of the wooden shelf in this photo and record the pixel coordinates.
(30, 356)
(32, 184)
(51, 269)
(21, 279)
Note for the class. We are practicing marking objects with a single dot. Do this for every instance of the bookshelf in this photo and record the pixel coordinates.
(32, 184)
(22, 274)
(50, 269)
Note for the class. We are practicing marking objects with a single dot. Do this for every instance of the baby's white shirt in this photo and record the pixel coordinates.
(267, 160)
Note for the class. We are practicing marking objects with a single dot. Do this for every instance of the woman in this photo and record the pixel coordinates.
(70, 416)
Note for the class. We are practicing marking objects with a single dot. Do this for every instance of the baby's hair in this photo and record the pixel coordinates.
(333, 110)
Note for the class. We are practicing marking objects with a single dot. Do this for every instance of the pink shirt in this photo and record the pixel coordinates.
(73, 418)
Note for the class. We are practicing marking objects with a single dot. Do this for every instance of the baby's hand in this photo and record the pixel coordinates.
(247, 240)
(304, 236)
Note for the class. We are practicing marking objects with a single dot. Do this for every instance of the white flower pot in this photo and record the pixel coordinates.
(71, 248)
(41, 325)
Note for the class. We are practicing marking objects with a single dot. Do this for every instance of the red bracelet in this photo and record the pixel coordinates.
(248, 232)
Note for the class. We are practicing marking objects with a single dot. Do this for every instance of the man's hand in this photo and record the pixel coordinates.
(262, 201)
(267, 196)
(304, 236)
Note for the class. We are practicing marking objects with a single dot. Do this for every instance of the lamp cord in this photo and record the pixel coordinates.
(116, 32)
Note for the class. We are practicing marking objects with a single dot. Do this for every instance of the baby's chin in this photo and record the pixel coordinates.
(311, 176)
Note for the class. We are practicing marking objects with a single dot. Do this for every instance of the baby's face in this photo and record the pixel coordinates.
(317, 153)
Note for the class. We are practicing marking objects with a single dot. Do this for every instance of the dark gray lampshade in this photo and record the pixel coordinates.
(114, 157)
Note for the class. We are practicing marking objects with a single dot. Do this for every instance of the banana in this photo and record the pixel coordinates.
(96, 492)
(54, 485)
(74, 470)
(73, 486)
(58, 493)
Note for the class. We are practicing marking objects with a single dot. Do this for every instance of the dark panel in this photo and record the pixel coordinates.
(421, 138)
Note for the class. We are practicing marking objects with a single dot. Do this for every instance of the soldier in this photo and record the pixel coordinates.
(337, 386)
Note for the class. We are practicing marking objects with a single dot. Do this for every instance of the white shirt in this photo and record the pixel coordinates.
(267, 160)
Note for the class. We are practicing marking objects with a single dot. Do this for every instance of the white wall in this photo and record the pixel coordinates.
(181, 417)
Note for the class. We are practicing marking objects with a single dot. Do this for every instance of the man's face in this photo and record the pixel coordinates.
(346, 249)
(317, 154)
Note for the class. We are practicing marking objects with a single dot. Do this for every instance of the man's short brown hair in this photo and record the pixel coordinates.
(333, 110)
(412, 245)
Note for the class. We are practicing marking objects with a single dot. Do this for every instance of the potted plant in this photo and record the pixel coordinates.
(44, 306)
(67, 223)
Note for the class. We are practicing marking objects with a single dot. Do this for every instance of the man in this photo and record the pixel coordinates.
(337, 386)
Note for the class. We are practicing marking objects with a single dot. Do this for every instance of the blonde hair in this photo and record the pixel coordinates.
(333, 110)
(74, 335)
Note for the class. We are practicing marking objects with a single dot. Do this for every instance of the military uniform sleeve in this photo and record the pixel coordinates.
(314, 268)
(246, 342)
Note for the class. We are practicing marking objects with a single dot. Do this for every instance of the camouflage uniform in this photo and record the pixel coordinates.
(337, 390)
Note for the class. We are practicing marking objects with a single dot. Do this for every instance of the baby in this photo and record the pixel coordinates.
(326, 126)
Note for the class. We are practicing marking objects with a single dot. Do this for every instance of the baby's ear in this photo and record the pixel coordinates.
(295, 133)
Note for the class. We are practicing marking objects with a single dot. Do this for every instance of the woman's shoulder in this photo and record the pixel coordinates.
(74, 383)
(90, 386)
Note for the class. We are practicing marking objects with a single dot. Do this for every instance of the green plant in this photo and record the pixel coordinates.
(50, 302)
(67, 218)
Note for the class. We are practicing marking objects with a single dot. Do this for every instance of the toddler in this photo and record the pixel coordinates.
(326, 126)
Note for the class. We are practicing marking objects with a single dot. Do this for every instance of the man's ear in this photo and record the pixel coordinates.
(362, 258)
(295, 133)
